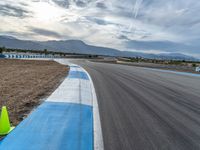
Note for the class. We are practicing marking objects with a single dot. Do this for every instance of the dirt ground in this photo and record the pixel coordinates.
(24, 84)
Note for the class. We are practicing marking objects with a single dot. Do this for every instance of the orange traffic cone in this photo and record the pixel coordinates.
(5, 122)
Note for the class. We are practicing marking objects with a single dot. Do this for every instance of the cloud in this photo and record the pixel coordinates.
(62, 3)
(44, 32)
(101, 5)
(81, 3)
(68, 3)
(14, 11)
(97, 20)
(123, 37)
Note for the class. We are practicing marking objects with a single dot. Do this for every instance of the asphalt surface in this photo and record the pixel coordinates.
(143, 109)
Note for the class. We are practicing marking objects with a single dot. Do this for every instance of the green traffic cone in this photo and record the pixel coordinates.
(5, 127)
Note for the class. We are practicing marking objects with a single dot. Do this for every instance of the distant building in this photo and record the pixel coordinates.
(198, 69)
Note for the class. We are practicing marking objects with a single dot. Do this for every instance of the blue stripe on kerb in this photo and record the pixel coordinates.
(55, 126)
(78, 75)
(2, 56)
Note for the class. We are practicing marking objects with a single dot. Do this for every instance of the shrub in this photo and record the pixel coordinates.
(194, 65)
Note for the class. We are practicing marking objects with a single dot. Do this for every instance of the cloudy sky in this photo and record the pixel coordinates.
(151, 26)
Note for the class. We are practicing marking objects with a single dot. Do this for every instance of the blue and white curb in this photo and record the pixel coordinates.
(67, 120)
(19, 56)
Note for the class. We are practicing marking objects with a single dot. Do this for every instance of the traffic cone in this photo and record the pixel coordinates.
(5, 122)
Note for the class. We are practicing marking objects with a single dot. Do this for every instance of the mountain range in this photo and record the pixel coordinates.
(79, 47)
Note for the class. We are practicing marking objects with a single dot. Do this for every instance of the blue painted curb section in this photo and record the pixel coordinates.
(67, 120)
(2, 56)
(55, 126)
(78, 74)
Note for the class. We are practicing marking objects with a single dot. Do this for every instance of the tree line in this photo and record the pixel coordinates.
(45, 52)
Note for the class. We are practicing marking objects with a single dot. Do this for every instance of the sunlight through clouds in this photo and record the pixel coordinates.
(46, 12)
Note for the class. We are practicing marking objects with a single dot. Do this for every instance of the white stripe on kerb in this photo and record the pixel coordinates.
(73, 91)
(76, 69)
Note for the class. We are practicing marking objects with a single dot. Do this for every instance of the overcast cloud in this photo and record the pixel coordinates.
(142, 25)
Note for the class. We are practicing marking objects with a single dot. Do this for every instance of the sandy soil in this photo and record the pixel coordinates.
(24, 84)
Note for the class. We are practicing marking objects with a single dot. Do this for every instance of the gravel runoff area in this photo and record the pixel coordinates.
(24, 84)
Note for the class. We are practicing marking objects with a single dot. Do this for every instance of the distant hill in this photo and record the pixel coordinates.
(77, 46)
(11, 42)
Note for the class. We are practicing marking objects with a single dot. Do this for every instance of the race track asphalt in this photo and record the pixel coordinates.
(143, 109)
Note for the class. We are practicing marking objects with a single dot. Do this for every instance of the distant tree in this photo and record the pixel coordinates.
(137, 59)
(2, 49)
(45, 51)
(194, 65)
(154, 61)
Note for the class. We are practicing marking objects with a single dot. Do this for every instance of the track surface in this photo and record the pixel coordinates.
(143, 109)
